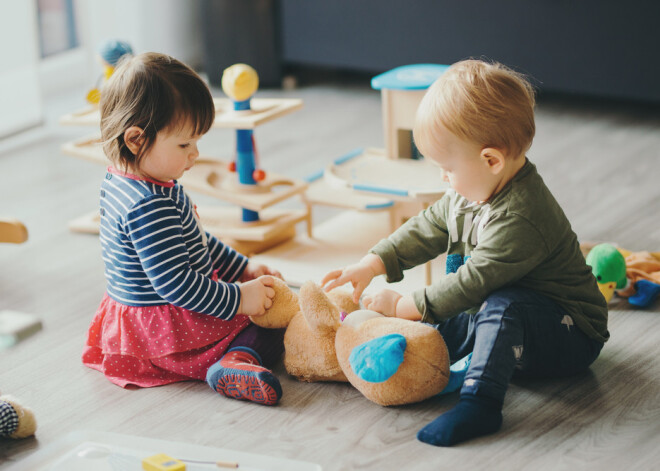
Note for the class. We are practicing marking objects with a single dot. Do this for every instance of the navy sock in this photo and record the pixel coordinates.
(472, 417)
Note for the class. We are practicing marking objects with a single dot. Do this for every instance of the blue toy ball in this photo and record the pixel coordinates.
(113, 50)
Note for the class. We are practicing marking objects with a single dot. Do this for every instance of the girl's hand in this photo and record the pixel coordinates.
(359, 275)
(256, 296)
(255, 270)
(384, 302)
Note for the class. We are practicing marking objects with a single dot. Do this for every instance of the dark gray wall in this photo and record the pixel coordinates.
(595, 47)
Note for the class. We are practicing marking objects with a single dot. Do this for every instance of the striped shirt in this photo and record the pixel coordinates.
(156, 252)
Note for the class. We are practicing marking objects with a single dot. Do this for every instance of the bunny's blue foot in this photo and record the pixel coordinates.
(457, 373)
(378, 359)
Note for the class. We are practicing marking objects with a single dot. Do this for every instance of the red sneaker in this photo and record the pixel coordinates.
(239, 375)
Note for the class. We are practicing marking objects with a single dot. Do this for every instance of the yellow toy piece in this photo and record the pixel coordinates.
(240, 82)
(108, 70)
(93, 96)
(162, 462)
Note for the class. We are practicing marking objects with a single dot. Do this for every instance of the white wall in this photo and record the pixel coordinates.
(169, 26)
(20, 96)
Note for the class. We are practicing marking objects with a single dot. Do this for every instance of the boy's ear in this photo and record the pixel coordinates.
(493, 158)
(134, 138)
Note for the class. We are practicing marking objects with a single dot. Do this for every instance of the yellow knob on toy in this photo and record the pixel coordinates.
(94, 96)
(108, 70)
(240, 81)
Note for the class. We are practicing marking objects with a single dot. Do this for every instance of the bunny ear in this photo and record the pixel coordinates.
(320, 313)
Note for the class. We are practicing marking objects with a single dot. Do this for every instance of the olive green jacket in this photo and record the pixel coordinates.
(520, 238)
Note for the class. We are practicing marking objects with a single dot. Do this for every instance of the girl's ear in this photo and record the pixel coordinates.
(493, 158)
(134, 138)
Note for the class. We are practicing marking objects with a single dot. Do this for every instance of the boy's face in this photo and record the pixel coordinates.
(171, 155)
(464, 167)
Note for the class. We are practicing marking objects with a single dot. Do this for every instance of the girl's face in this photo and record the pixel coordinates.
(171, 155)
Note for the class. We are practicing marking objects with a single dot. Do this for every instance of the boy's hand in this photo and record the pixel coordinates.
(255, 270)
(384, 301)
(256, 296)
(359, 275)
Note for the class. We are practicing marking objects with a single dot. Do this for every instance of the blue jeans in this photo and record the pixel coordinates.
(516, 331)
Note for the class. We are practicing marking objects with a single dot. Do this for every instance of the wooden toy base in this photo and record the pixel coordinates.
(338, 242)
(274, 227)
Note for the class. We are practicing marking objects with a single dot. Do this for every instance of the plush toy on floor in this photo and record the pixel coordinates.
(16, 421)
(390, 361)
(633, 275)
(312, 322)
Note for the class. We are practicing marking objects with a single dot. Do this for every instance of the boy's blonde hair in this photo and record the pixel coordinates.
(480, 102)
(154, 92)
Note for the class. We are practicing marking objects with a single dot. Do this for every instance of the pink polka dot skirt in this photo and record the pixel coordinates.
(156, 345)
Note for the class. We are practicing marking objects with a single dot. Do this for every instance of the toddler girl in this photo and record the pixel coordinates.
(172, 310)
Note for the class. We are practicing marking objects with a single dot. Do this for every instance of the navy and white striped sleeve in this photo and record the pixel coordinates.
(155, 229)
(228, 262)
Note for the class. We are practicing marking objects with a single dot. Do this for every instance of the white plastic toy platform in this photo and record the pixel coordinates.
(369, 170)
(101, 451)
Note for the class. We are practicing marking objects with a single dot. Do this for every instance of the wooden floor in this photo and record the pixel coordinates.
(602, 161)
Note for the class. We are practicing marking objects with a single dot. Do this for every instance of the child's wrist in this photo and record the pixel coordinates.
(396, 306)
(374, 263)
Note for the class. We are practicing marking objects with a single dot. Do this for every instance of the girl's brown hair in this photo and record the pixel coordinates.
(480, 102)
(154, 92)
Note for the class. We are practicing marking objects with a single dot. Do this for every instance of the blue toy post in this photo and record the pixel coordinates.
(240, 82)
(245, 164)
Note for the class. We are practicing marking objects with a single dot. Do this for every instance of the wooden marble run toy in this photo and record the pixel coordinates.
(397, 179)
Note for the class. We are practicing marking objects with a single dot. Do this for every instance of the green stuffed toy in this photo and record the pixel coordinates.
(609, 268)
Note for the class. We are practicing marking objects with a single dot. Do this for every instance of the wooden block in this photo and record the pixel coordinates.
(12, 231)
